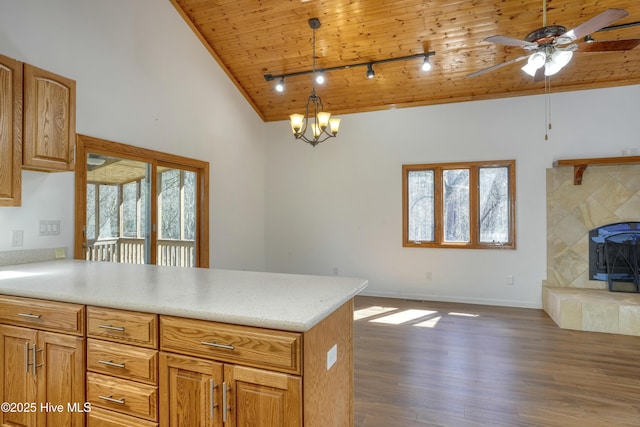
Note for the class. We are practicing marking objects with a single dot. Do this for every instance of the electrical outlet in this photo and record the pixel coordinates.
(332, 356)
(509, 279)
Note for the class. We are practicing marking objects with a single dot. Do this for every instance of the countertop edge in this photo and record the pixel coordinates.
(278, 322)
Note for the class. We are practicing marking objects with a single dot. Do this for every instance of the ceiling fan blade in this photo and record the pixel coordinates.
(539, 75)
(510, 41)
(495, 67)
(602, 20)
(608, 45)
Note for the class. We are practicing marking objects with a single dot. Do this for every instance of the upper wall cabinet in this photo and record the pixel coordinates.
(49, 120)
(10, 131)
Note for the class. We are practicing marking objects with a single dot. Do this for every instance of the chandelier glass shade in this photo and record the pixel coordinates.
(319, 123)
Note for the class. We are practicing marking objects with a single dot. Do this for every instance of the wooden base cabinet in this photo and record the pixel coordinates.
(199, 392)
(145, 370)
(41, 378)
(122, 365)
(220, 375)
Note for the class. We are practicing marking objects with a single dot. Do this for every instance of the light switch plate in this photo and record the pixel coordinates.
(17, 238)
(49, 228)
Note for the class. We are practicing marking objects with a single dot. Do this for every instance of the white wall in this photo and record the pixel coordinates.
(144, 79)
(338, 205)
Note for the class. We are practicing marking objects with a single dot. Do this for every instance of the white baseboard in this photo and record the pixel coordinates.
(461, 300)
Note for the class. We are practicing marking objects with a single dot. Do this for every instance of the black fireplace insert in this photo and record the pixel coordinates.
(614, 256)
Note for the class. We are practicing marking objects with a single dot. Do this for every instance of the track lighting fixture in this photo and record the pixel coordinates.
(425, 66)
(370, 73)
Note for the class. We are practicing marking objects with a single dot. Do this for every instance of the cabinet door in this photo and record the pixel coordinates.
(60, 370)
(10, 131)
(17, 382)
(262, 398)
(190, 391)
(49, 120)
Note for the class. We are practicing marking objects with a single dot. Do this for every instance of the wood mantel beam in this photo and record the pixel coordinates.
(580, 165)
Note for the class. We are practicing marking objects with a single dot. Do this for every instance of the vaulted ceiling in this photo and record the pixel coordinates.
(252, 38)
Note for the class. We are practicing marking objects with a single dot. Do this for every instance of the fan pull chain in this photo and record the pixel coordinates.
(547, 107)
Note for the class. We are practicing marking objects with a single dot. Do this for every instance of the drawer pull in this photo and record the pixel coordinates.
(112, 328)
(110, 363)
(216, 345)
(29, 315)
(111, 399)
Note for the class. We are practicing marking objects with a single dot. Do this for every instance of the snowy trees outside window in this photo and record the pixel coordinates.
(461, 205)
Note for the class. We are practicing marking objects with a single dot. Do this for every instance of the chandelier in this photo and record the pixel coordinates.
(319, 123)
(315, 119)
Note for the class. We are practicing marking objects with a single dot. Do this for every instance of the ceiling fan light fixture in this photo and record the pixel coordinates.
(529, 69)
(537, 60)
(558, 60)
(561, 57)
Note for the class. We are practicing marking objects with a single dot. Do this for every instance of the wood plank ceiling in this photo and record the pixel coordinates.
(251, 38)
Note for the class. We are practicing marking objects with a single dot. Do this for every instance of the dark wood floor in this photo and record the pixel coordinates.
(458, 365)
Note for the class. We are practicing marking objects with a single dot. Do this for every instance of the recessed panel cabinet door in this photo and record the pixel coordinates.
(10, 131)
(256, 397)
(190, 391)
(60, 368)
(41, 368)
(17, 384)
(49, 120)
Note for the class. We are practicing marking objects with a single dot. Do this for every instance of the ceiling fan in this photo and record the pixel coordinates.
(551, 47)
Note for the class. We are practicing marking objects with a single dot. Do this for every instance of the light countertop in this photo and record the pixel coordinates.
(289, 302)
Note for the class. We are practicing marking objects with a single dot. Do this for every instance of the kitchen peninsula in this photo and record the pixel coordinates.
(168, 346)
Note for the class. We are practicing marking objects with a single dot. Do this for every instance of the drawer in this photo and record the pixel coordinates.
(40, 314)
(128, 327)
(99, 417)
(123, 361)
(265, 348)
(126, 397)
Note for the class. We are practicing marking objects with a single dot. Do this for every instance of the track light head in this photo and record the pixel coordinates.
(280, 86)
(426, 65)
(370, 73)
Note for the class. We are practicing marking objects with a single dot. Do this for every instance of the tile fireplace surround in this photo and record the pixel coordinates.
(608, 194)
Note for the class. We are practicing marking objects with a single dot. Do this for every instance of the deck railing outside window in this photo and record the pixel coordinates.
(180, 253)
